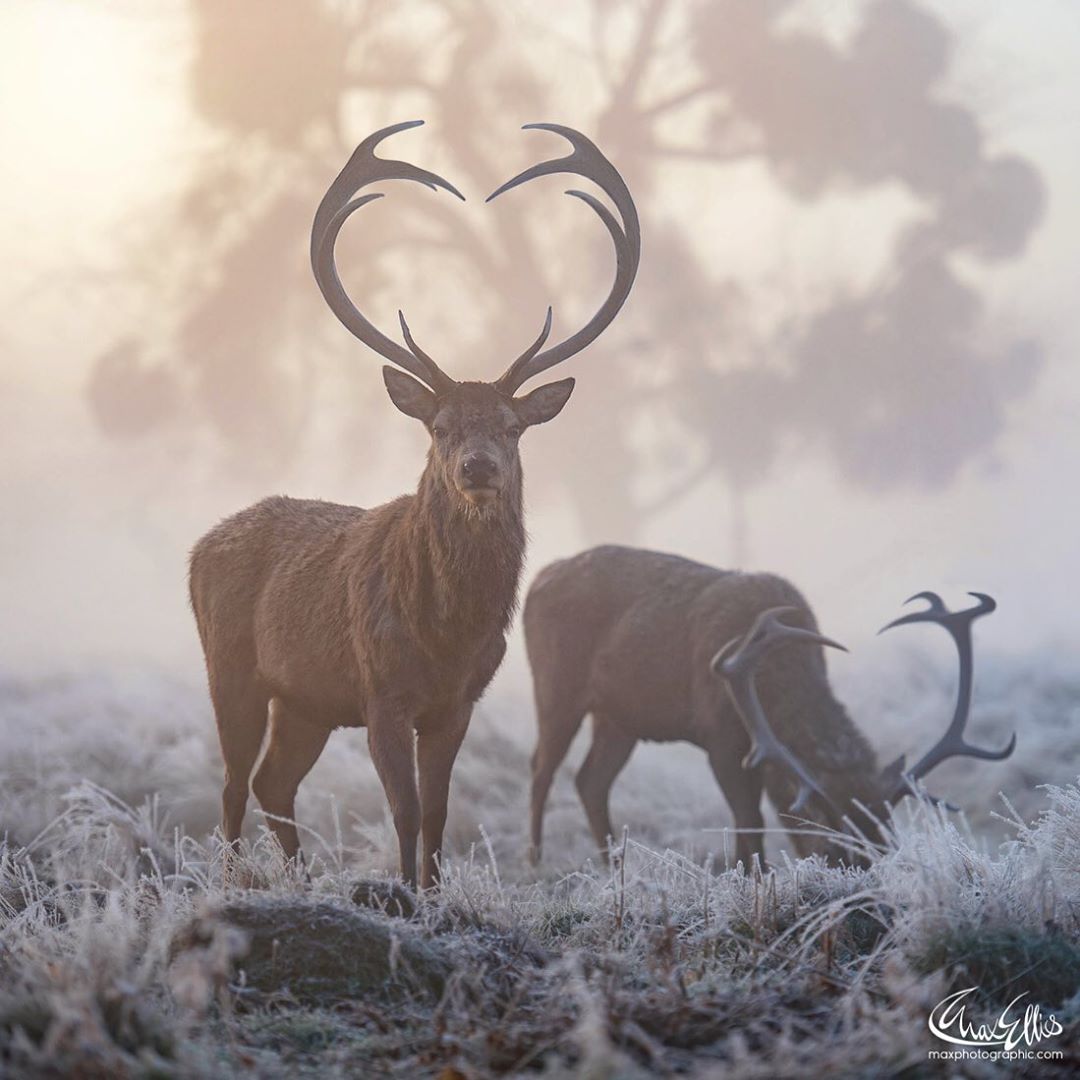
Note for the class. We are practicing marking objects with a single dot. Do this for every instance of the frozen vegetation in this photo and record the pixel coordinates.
(126, 949)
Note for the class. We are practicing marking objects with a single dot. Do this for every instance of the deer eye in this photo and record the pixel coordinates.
(514, 432)
(439, 432)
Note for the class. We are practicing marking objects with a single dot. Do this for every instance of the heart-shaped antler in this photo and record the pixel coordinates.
(365, 168)
(337, 204)
(587, 161)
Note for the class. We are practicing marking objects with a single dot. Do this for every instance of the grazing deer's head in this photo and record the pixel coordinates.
(475, 426)
(828, 799)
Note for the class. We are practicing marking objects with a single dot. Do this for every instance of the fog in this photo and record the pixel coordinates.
(847, 357)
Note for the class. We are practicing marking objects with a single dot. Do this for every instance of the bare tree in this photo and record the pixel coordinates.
(896, 381)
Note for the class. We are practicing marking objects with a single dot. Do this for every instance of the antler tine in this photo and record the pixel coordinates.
(952, 743)
(508, 386)
(737, 661)
(932, 613)
(337, 205)
(414, 348)
(587, 161)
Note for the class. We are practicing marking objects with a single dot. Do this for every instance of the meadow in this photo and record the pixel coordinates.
(128, 949)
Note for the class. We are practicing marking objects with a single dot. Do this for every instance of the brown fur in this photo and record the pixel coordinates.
(628, 635)
(315, 615)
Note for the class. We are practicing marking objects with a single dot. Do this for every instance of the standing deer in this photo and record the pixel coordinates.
(314, 616)
(638, 639)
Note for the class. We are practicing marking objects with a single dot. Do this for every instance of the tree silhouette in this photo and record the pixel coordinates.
(896, 381)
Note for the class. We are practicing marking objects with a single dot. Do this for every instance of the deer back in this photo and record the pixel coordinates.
(634, 631)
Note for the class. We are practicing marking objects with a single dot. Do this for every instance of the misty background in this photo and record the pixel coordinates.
(848, 357)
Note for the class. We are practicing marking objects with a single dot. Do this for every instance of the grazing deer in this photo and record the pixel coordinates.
(638, 639)
(314, 616)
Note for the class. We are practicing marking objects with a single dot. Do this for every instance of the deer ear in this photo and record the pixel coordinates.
(412, 398)
(544, 403)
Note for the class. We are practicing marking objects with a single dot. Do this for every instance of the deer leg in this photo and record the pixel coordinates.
(436, 749)
(392, 744)
(240, 707)
(557, 731)
(742, 788)
(609, 752)
(295, 745)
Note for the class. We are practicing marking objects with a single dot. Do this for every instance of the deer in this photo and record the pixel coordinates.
(658, 647)
(314, 615)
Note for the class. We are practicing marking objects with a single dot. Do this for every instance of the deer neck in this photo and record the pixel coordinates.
(467, 561)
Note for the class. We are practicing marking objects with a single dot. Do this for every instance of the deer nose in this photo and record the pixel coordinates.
(478, 469)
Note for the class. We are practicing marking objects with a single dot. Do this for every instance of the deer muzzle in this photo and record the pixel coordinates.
(479, 479)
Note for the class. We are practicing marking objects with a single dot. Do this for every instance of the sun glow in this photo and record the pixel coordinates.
(78, 103)
(87, 101)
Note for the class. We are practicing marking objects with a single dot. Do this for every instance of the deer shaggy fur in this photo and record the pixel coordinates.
(628, 636)
(314, 616)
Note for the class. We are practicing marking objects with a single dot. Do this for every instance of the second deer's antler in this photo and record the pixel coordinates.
(952, 743)
(737, 662)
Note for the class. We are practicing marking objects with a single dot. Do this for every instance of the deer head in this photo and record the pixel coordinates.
(817, 797)
(474, 426)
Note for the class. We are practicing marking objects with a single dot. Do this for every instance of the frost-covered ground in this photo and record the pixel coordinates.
(123, 950)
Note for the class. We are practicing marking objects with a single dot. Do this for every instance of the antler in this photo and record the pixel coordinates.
(737, 662)
(952, 743)
(587, 161)
(361, 169)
